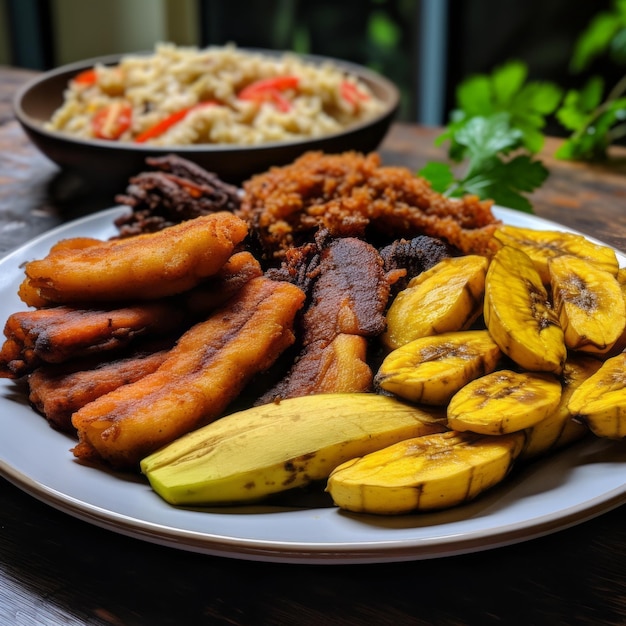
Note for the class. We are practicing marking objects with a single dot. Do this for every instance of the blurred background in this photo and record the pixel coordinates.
(425, 46)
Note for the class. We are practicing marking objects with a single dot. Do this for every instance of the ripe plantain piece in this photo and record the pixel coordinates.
(445, 298)
(620, 344)
(143, 267)
(543, 245)
(600, 401)
(431, 370)
(558, 429)
(424, 473)
(504, 402)
(251, 454)
(589, 304)
(519, 316)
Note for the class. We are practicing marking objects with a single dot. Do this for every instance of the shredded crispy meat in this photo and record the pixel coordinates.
(175, 190)
(351, 194)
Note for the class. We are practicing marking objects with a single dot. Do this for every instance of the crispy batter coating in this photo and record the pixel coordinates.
(215, 291)
(144, 267)
(61, 333)
(352, 194)
(207, 369)
(58, 334)
(57, 391)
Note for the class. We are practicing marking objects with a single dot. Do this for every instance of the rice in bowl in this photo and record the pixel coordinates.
(217, 95)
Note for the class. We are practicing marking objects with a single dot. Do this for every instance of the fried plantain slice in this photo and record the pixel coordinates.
(144, 267)
(204, 372)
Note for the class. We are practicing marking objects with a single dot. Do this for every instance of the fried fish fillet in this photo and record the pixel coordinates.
(203, 373)
(58, 334)
(57, 391)
(144, 267)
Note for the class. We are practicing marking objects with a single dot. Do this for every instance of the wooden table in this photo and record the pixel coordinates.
(55, 569)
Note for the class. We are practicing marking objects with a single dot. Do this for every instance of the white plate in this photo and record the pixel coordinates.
(568, 488)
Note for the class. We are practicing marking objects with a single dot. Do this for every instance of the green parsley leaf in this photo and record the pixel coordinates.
(598, 131)
(578, 105)
(439, 175)
(506, 181)
(505, 91)
(596, 120)
(595, 39)
(482, 137)
(495, 128)
(617, 49)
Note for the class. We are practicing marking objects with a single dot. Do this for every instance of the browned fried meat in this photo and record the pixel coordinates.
(349, 294)
(174, 190)
(405, 259)
(208, 368)
(351, 194)
(58, 334)
(57, 391)
(348, 297)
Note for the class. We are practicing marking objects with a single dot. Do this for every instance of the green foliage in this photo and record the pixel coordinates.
(507, 90)
(606, 33)
(594, 120)
(497, 127)
(383, 31)
(495, 131)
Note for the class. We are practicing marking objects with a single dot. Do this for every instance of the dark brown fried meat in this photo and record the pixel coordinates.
(349, 294)
(348, 297)
(174, 191)
(409, 258)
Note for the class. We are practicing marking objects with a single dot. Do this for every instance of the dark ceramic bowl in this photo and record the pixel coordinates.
(108, 163)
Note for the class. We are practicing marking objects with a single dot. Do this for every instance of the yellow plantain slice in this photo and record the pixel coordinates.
(445, 298)
(519, 316)
(424, 473)
(504, 402)
(620, 344)
(543, 245)
(589, 304)
(431, 369)
(250, 454)
(600, 401)
(559, 429)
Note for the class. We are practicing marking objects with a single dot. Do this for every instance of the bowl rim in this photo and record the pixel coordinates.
(35, 124)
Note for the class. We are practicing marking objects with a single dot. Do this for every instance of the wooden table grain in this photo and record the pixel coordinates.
(55, 569)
